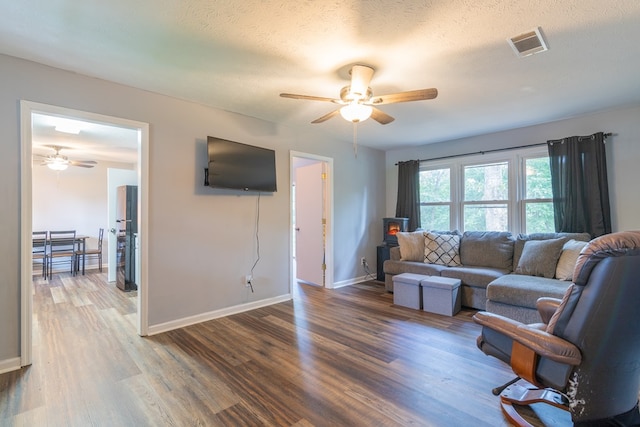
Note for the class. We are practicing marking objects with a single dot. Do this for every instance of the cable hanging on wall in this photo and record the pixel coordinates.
(250, 282)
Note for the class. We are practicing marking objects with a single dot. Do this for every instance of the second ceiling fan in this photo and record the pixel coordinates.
(359, 103)
(59, 162)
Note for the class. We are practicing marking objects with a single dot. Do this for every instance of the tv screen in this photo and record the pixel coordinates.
(240, 166)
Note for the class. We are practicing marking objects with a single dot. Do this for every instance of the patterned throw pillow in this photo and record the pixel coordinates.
(443, 249)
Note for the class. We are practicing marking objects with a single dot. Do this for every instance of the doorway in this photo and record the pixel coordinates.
(27, 111)
(311, 219)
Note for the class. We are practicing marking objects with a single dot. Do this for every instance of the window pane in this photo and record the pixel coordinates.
(539, 217)
(538, 178)
(489, 217)
(486, 182)
(435, 185)
(435, 217)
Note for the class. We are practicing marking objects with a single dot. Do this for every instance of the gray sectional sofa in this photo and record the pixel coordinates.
(500, 273)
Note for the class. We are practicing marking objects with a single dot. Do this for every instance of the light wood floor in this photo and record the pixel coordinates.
(344, 357)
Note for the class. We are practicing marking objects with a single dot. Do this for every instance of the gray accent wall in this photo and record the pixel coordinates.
(623, 155)
(201, 241)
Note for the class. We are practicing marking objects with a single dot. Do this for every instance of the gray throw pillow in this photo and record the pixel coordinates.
(522, 238)
(540, 257)
(492, 249)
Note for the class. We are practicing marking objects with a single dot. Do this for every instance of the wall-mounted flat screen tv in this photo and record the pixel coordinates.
(238, 166)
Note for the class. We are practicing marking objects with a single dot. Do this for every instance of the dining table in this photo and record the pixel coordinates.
(80, 242)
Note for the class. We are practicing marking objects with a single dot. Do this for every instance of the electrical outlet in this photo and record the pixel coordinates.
(363, 261)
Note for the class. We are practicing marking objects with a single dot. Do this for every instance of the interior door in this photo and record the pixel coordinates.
(309, 217)
(115, 179)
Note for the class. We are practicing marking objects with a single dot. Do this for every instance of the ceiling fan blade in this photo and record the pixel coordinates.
(307, 97)
(83, 163)
(381, 117)
(326, 116)
(87, 162)
(412, 95)
(360, 78)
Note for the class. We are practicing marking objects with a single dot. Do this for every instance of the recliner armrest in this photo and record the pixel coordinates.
(541, 342)
(546, 307)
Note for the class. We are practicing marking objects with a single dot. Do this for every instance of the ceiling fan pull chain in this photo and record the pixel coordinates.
(355, 139)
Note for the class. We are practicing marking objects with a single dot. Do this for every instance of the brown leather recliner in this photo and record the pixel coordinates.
(585, 357)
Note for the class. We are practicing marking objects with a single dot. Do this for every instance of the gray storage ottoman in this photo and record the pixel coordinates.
(406, 290)
(441, 295)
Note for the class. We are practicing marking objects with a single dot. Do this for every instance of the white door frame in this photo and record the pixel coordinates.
(27, 108)
(329, 208)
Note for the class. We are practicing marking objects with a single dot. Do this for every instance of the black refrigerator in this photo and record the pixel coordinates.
(127, 224)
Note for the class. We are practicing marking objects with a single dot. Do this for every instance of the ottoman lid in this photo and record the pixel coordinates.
(409, 278)
(440, 282)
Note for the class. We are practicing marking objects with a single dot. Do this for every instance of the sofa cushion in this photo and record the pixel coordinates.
(524, 291)
(442, 249)
(522, 238)
(487, 249)
(568, 258)
(520, 314)
(411, 245)
(478, 277)
(540, 257)
(394, 253)
(398, 267)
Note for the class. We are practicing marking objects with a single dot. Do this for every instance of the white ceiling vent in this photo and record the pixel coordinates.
(528, 43)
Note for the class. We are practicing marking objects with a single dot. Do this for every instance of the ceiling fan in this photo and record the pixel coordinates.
(59, 162)
(359, 103)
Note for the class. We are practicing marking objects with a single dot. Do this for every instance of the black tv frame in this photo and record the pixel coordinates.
(240, 166)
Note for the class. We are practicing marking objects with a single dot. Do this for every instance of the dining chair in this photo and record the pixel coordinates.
(39, 250)
(62, 249)
(92, 252)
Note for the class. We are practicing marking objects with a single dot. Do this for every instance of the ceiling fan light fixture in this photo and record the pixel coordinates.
(355, 112)
(58, 165)
(360, 78)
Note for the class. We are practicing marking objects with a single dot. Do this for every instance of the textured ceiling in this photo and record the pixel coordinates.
(239, 55)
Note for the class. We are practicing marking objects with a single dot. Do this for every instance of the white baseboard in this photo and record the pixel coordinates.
(192, 320)
(350, 282)
(9, 365)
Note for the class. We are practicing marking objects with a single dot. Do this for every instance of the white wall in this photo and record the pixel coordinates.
(201, 241)
(623, 156)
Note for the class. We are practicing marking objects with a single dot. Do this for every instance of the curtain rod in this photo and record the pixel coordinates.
(580, 138)
(498, 149)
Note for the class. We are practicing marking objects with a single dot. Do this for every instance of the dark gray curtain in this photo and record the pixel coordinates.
(408, 203)
(579, 184)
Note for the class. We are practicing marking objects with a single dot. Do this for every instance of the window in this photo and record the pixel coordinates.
(435, 190)
(506, 191)
(486, 197)
(537, 201)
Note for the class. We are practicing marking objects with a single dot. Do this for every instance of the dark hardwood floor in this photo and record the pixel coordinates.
(345, 357)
